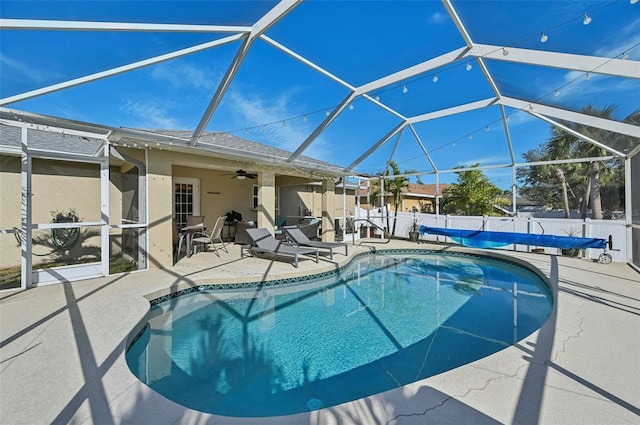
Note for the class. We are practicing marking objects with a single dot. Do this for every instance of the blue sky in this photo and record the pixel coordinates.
(277, 100)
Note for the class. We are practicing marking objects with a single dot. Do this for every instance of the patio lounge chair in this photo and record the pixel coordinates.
(241, 237)
(216, 235)
(298, 237)
(310, 229)
(263, 243)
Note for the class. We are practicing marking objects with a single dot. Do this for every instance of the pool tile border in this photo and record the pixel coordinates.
(217, 287)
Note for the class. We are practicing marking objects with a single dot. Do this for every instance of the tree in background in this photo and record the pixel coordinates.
(577, 185)
(473, 194)
(394, 186)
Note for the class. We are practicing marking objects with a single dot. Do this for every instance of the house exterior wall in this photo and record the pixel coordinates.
(64, 185)
(299, 200)
(220, 194)
(10, 211)
(423, 205)
(57, 186)
(159, 204)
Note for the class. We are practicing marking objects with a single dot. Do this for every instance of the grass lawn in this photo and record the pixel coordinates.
(10, 277)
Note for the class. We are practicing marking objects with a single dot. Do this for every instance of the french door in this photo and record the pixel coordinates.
(186, 199)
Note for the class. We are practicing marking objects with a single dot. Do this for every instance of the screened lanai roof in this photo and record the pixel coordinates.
(432, 85)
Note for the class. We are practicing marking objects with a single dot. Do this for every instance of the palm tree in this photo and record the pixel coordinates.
(565, 196)
(560, 146)
(564, 145)
(395, 186)
(590, 150)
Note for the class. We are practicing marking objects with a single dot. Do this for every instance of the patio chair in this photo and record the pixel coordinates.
(263, 243)
(177, 241)
(195, 220)
(279, 224)
(298, 238)
(215, 236)
(310, 229)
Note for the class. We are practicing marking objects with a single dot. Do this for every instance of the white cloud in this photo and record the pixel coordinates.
(183, 74)
(493, 160)
(151, 114)
(623, 40)
(575, 89)
(520, 117)
(26, 72)
(255, 109)
(437, 18)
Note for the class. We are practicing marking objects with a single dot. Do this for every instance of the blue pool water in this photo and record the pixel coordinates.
(384, 321)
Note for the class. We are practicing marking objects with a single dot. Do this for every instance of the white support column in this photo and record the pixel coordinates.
(628, 208)
(357, 211)
(586, 233)
(26, 261)
(514, 188)
(437, 197)
(143, 213)
(344, 207)
(104, 211)
(383, 205)
(515, 312)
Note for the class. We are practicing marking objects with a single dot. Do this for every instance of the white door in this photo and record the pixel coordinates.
(186, 199)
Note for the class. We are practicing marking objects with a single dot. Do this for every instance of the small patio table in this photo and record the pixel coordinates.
(186, 233)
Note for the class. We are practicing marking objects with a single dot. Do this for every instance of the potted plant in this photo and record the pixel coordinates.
(571, 252)
(414, 230)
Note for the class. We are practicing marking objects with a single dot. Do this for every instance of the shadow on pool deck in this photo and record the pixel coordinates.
(63, 345)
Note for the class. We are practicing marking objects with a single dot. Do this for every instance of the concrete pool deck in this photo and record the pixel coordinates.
(62, 353)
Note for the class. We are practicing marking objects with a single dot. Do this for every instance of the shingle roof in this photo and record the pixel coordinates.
(232, 145)
(425, 189)
(210, 143)
(42, 139)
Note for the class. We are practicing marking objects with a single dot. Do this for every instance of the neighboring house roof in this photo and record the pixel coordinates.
(421, 190)
(524, 202)
(424, 190)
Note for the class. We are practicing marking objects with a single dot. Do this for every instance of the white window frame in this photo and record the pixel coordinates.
(254, 197)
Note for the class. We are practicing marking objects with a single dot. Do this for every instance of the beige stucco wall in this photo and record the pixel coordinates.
(267, 200)
(9, 209)
(328, 210)
(220, 194)
(57, 186)
(424, 205)
(159, 204)
(61, 186)
(294, 199)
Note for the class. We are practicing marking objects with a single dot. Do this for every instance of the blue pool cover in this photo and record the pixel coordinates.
(489, 239)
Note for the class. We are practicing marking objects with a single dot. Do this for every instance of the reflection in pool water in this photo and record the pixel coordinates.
(382, 322)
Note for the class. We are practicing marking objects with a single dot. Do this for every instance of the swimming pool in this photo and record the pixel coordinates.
(383, 321)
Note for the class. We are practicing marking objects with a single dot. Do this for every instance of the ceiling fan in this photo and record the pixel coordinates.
(241, 175)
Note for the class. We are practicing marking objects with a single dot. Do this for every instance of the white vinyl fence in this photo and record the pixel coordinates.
(587, 228)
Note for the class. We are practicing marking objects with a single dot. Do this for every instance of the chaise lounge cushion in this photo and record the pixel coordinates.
(310, 229)
(298, 238)
(262, 242)
(241, 236)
